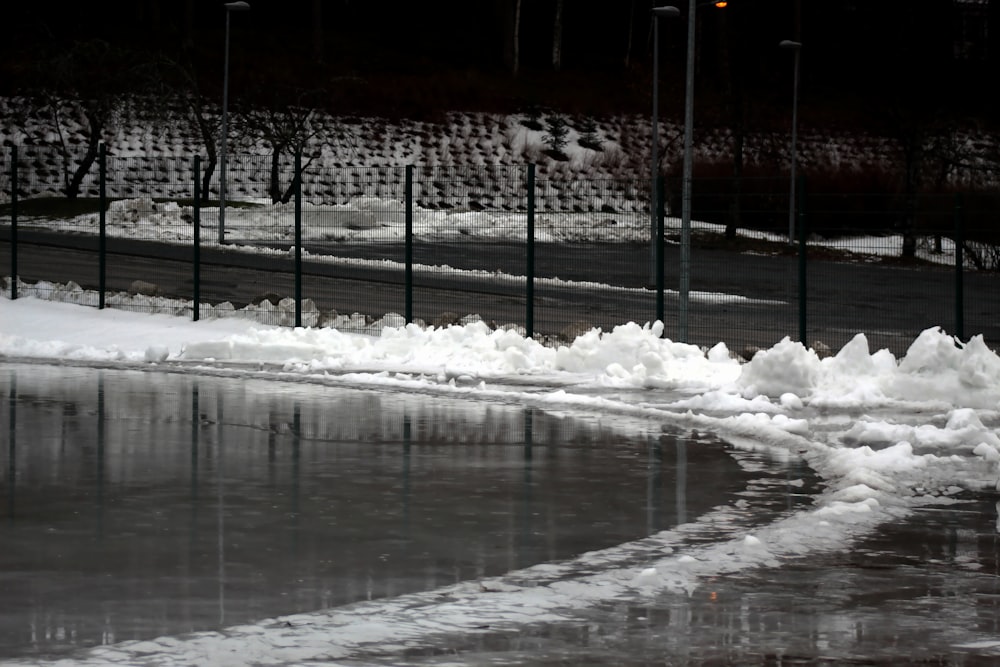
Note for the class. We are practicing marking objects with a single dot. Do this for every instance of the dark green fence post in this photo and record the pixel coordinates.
(803, 233)
(13, 223)
(408, 240)
(660, 211)
(298, 239)
(529, 294)
(197, 238)
(102, 242)
(959, 267)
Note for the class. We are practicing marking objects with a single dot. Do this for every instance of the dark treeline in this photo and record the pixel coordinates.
(399, 57)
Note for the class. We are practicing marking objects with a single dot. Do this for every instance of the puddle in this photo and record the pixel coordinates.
(139, 504)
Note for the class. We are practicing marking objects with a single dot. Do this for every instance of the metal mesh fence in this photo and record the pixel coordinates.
(874, 262)
(470, 225)
(245, 250)
(150, 233)
(743, 269)
(895, 281)
(353, 229)
(52, 267)
(594, 257)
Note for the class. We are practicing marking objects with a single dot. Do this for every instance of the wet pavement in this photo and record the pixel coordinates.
(139, 504)
(926, 592)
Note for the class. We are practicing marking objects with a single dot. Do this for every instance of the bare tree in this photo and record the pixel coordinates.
(91, 79)
(289, 129)
(178, 81)
(910, 130)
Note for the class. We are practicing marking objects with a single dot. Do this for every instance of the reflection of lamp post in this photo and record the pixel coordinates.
(655, 263)
(796, 47)
(685, 262)
(230, 7)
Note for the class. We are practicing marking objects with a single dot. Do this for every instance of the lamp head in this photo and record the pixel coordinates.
(237, 6)
(666, 12)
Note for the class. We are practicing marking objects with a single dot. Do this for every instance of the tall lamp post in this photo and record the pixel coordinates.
(655, 262)
(795, 47)
(230, 7)
(685, 261)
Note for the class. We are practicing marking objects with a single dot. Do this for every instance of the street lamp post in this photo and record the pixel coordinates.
(685, 261)
(796, 47)
(230, 7)
(655, 261)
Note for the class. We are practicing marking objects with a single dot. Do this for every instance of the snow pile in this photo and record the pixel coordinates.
(937, 368)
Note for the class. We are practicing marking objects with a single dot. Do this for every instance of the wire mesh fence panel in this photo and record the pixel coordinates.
(593, 257)
(976, 215)
(246, 265)
(469, 246)
(52, 232)
(742, 283)
(7, 195)
(166, 178)
(149, 234)
(353, 240)
(47, 171)
(877, 262)
(875, 272)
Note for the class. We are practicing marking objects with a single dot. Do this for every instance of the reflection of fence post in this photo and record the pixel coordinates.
(654, 482)
(197, 238)
(529, 432)
(195, 440)
(102, 258)
(101, 463)
(13, 223)
(408, 241)
(959, 268)
(529, 295)
(803, 233)
(298, 238)
(12, 444)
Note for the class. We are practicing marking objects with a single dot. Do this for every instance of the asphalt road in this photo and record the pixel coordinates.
(744, 299)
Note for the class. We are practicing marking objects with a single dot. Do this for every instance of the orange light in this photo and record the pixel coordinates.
(721, 4)
(713, 596)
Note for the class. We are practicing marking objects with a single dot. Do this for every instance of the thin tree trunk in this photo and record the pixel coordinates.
(913, 155)
(274, 187)
(187, 26)
(54, 110)
(318, 45)
(210, 164)
(95, 126)
(516, 45)
(631, 27)
(557, 29)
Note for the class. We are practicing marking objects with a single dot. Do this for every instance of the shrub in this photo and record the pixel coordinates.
(557, 132)
(532, 119)
(588, 134)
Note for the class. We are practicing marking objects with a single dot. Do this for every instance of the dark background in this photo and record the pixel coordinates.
(411, 59)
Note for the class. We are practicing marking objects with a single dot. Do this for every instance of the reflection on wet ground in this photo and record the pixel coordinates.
(923, 592)
(138, 504)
